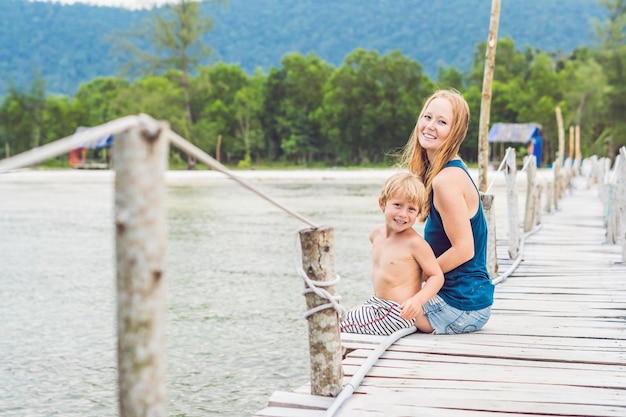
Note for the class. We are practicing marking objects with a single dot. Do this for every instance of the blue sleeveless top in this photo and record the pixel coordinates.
(468, 286)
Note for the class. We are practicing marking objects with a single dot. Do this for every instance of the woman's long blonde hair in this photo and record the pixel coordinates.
(414, 157)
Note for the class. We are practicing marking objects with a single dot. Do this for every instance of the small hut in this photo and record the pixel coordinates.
(78, 157)
(516, 133)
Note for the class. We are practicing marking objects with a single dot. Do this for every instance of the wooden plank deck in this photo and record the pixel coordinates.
(554, 346)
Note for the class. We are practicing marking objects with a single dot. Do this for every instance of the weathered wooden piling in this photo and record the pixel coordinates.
(318, 262)
(490, 215)
(510, 173)
(616, 204)
(531, 193)
(140, 159)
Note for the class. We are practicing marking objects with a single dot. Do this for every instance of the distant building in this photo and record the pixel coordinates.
(527, 133)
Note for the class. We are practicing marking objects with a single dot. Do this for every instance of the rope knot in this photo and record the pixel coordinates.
(313, 286)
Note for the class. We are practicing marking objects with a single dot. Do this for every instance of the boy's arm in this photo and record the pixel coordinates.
(431, 275)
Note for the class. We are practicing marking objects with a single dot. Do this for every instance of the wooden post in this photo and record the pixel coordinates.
(318, 261)
(537, 198)
(603, 187)
(490, 215)
(218, 148)
(485, 104)
(558, 188)
(617, 234)
(140, 161)
(531, 170)
(570, 155)
(510, 174)
(549, 196)
(577, 153)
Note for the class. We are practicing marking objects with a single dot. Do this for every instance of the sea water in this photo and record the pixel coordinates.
(235, 326)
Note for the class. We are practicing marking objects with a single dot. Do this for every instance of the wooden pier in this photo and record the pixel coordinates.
(554, 346)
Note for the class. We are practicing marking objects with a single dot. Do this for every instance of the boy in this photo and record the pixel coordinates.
(401, 258)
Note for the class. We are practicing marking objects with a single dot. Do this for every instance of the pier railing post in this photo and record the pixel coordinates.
(612, 220)
(140, 159)
(616, 226)
(538, 194)
(558, 164)
(490, 215)
(318, 262)
(531, 170)
(549, 196)
(511, 197)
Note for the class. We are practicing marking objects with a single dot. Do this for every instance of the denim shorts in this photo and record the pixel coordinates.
(446, 319)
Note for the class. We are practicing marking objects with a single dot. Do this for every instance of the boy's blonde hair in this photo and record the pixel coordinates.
(407, 184)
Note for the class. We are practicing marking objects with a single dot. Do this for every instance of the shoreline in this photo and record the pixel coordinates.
(199, 177)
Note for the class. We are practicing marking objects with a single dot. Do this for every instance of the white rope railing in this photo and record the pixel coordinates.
(65, 145)
(502, 164)
(192, 150)
(359, 375)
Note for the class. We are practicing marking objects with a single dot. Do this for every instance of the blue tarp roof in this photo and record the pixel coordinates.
(103, 142)
(514, 132)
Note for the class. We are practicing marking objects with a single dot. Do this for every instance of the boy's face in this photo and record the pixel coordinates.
(400, 214)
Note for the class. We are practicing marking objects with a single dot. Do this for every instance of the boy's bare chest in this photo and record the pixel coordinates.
(391, 255)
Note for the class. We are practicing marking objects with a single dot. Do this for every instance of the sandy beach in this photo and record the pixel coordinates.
(198, 177)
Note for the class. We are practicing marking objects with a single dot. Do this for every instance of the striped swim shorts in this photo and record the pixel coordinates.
(376, 316)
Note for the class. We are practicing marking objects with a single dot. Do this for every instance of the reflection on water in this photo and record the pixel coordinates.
(235, 327)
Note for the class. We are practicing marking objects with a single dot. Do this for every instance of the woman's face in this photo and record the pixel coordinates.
(433, 128)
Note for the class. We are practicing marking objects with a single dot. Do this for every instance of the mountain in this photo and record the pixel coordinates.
(68, 44)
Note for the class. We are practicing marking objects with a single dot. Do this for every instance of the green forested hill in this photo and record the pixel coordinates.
(68, 44)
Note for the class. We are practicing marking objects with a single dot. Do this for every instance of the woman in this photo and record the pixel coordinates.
(455, 227)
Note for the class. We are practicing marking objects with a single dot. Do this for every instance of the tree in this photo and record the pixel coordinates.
(273, 94)
(96, 97)
(370, 104)
(175, 33)
(612, 57)
(215, 108)
(303, 90)
(158, 96)
(61, 117)
(248, 102)
(22, 115)
(510, 62)
(450, 77)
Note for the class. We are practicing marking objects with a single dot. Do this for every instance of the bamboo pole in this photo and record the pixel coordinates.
(511, 197)
(140, 156)
(485, 104)
(318, 261)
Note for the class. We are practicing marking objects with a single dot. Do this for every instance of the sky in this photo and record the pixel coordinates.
(130, 4)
